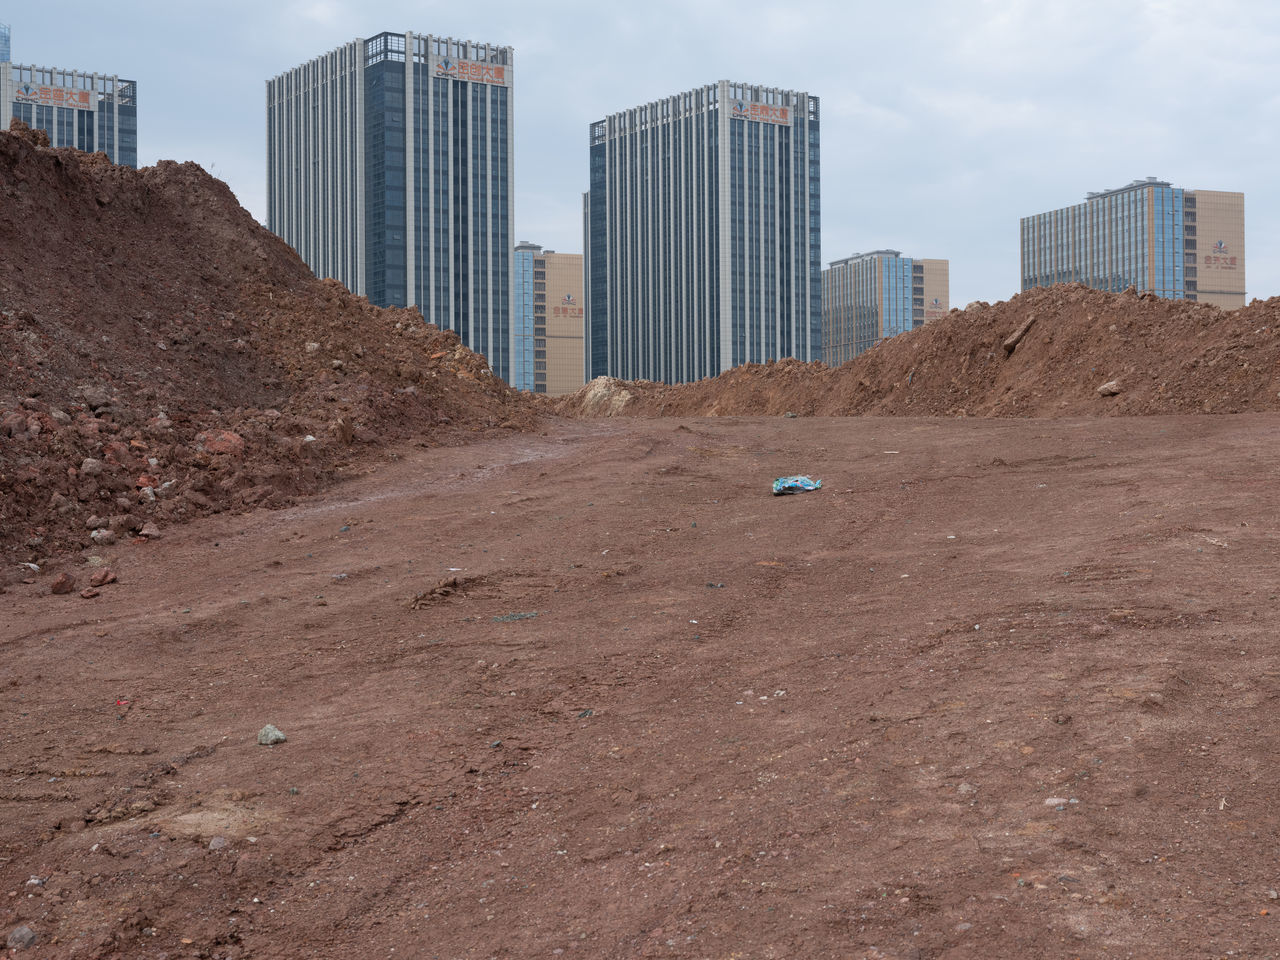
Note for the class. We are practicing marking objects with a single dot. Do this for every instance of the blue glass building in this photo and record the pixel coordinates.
(869, 297)
(1145, 235)
(703, 234)
(389, 168)
(93, 112)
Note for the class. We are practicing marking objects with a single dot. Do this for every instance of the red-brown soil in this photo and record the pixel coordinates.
(826, 725)
(1003, 687)
(144, 312)
(1165, 356)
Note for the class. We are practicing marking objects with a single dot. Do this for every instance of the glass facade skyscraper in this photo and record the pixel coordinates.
(93, 112)
(871, 296)
(703, 234)
(389, 168)
(1176, 243)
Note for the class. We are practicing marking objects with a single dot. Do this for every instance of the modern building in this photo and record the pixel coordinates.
(389, 168)
(549, 321)
(703, 234)
(869, 297)
(93, 112)
(1176, 243)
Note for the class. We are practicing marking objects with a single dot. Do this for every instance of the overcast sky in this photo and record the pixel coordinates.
(943, 121)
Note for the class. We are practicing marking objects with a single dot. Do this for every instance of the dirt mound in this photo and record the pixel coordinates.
(1153, 356)
(162, 355)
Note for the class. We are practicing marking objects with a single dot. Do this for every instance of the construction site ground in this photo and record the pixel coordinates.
(1000, 688)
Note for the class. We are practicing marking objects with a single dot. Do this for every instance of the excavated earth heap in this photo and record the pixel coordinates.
(1043, 353)
(162, 355)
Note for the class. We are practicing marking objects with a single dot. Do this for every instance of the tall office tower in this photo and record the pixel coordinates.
(389, 168)
(703, 234)
(549, 320)
(869, 297)
(93, 112)
(1175, 243)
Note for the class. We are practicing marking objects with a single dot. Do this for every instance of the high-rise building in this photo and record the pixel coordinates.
(871, 296)
(389, 168)
(1175, 243)
(93, 112)
(703, 234)
(549, 320)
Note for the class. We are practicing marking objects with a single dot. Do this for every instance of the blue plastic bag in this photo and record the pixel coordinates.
(794, 485)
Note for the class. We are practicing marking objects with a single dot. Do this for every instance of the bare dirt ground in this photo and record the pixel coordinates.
(1000, 688)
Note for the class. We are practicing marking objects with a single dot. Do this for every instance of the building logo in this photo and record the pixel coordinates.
(937, 302)
(568, 300)
(1220, 247)
(740, 108)
(446, 68)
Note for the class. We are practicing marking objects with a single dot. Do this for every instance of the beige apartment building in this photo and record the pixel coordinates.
(549, 321)
(1175, 243)
(871, 296)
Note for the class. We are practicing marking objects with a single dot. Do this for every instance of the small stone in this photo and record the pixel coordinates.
(1110, 388)
(269, 736)
(313, 347)
(21, 938)
(102, 577)
(89, 593)
(103, 538)
(63, 583)
(1273, 895)
(966, 788)
(217, 843)
(94, 522)
(962, 927)
(1056, 801)
(150, 531)
(90, 467)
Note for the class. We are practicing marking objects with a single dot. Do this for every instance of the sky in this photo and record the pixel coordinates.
(943, 121)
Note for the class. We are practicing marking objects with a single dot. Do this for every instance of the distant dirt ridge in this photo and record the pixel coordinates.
(1043, 353)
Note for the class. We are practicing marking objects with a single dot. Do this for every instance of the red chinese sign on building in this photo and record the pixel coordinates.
(762, 112)
(52, 97)
(472, 70)
(567, 312)
(1222, 263)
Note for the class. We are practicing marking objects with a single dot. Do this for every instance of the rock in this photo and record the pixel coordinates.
(102, 577)
(103, 538)
(95, 522)
(89, 593)
(269, 736)
(1110, 388)
(150, 530)
(313, 347)
(218, 843)
(13, 425)
(966, 788)
(90, 467)
(221, 441)
(63, 583)
(60, 416)
(96, 397)
(21, 938)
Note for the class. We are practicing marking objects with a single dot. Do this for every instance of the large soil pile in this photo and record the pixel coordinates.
(162, 355)
(1164, 356)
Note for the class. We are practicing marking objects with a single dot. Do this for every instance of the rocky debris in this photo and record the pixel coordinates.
(150, 531)
(176, 383)
(221, 843)
(1171, 356)
(269, 736)
(441, 591)
(62, 583)
(21, 937)
(89, 593)
(1110, 388)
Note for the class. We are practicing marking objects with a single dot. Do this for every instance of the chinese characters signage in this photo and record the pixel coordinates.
(762, 112)
(1221, 262)
(52, 96)
(472, 70)
(567, 311)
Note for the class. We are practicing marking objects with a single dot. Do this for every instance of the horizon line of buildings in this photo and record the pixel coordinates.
(389, 168)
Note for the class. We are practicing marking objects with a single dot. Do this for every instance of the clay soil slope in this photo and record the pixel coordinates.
(163, 356)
